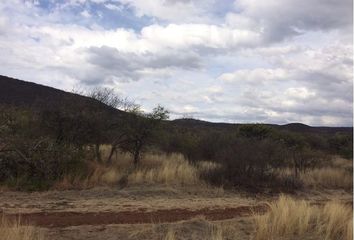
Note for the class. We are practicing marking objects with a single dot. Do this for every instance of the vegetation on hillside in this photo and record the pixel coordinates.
(40, 146)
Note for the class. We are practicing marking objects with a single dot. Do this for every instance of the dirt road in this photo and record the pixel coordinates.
(65, 219)
(143, 212)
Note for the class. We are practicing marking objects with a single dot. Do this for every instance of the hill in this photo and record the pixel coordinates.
(20, 93)
(27, 94)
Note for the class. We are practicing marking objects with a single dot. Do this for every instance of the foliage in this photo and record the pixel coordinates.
(30, 159)
(140, 129)
(37, 147)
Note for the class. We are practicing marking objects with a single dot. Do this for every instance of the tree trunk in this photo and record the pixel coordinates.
(109, 159)
(136, 158)
(296, 167)
(98, 153)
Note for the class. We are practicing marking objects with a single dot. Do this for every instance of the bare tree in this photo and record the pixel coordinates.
(110, 98)
(113, 132)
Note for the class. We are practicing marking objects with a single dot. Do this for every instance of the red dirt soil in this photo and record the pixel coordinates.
(65, 219)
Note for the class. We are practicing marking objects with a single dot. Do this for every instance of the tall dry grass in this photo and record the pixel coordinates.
(171, 234)
(337, 174)
(216, 232)
(328, 177)
(171, 169)
(16, 230)
(297, 219)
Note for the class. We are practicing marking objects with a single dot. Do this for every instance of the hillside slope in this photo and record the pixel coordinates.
(27, 94)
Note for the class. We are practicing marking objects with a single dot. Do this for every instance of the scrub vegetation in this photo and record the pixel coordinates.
(107, 141)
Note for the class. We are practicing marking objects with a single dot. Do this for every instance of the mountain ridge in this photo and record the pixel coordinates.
(27, 94)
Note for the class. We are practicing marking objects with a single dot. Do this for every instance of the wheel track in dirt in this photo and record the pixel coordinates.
(141, 216)
(66, 219)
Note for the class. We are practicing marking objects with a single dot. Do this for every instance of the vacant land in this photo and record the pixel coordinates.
(99, 167)
(135, 211)
(150, 212)
(166, 199)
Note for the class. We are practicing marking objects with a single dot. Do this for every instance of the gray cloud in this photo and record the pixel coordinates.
(268, 61)
(130, 66)
(281, 19)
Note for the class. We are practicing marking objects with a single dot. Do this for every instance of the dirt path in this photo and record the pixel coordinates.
(65, 219)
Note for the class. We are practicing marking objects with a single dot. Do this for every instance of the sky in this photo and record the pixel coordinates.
(236, 61)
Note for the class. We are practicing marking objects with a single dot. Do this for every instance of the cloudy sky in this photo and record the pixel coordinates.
(271, 61)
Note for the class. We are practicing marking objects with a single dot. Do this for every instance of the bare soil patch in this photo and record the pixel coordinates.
(65, 219)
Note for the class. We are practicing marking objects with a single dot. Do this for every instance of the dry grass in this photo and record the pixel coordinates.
(200, 228)
(196, 228)
(99, 176)
(338, 174)
(15, 230)
(328, 177)
(171, 234)
(298, 219)
(343, 163)
(216, 232)
(171, 169)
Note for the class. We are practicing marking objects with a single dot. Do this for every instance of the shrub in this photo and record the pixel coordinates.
(28, 158)
(247, 163)
(255, 131)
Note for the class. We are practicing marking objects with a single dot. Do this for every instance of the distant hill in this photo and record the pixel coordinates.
(27, 94)
(299, 127)
(293, 127)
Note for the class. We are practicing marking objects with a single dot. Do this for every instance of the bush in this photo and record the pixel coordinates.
(247, 163)
(28, 158)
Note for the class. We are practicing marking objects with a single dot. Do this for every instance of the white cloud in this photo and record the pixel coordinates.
(173, 10)
(255, 76)
(271, 61)
(199, 36)
(299, 93)
(85, 14)
(114, 7)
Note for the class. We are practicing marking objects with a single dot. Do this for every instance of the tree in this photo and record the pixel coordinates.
(111, 132)
(300, 153)
(255, 131)
(140, 129)
(110, 98)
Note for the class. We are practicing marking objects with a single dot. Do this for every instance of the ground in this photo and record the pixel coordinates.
(146, 212)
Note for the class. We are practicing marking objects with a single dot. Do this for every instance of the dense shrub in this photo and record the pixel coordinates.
(250, 154)
(30, 159)
(38, 148)
(246, 162)
(342, 144)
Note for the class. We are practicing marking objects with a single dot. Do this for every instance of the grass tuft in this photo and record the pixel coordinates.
(297, 218)
(16, 230)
